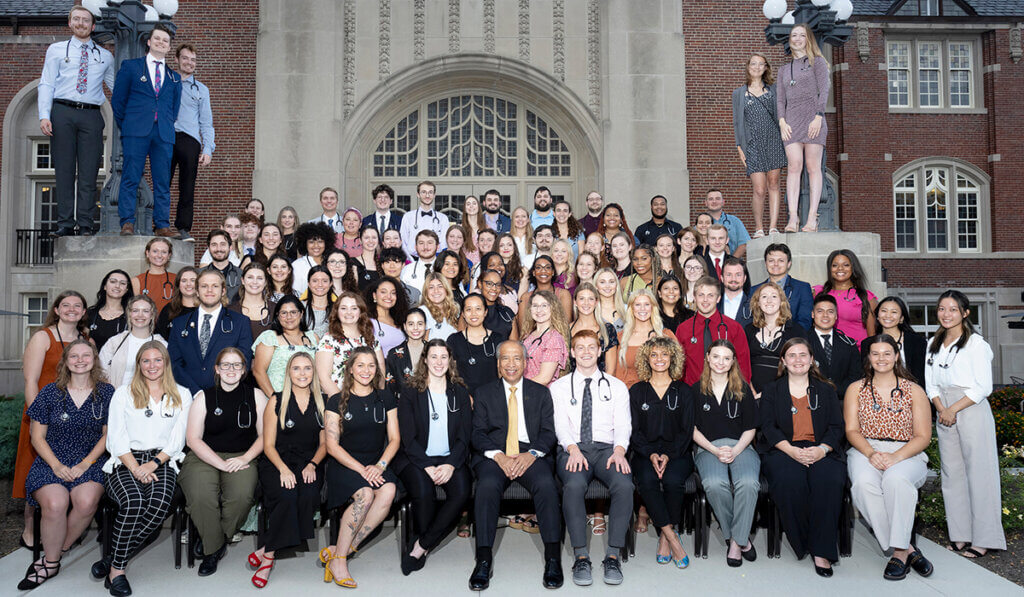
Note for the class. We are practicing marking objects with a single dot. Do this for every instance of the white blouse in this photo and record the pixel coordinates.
(969, 369)
(437, 330)
(128, 428)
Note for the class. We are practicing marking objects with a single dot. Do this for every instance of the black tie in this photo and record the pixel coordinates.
(382, 227)
(587, 420)
(707, 335)
(826, 342)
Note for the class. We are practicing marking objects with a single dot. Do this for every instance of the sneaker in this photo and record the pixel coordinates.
(185, 236)
(612, 571)
(581, 572)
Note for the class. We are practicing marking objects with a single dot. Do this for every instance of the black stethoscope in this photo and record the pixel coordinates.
(605, 397)
(775, 342)
(121, 343)
(949, 359)
(792, 80)
(218, 411)
(289, 423)
(149, 410)
(433, 213)
(487, 341)
(416, 263)
(730, 412)
(669, 394)
(65, 417)
(505, 314)
(194, 86)
(97, 56)
(195, 314)
(895, 393)
(536, 341)
(366, 408)
(718, 330)
(846, 296)
(121, 320)
(811, 393)
(450, 401)
(167, 282)
(306, 342)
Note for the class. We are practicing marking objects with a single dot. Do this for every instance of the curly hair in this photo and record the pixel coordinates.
(622, 221)
(757, 315)
(514, 267)
(363, 324)
(643, 357)
(421, 378)
(399, 311)
(96, 374)
(559, 320)
(312, 231)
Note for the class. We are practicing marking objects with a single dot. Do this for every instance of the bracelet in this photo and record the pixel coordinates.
(313, 463)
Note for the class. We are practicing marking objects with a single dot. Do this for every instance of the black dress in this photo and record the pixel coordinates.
(764, 358)
(364, 277)
(290, 511)
(682, 314)
(364, 435)
(477, 364)
(163, 323)
(101, 330)
(613, 341)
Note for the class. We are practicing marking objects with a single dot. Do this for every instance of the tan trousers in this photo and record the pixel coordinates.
(887, 499)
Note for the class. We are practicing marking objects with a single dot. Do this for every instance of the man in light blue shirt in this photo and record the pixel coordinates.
(70, 95)
(542, 212)
(193, 137)
(738, 235)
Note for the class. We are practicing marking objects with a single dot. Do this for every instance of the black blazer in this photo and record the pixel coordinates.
(653, 419)
(777, 418)
(915, 348)
(490, 418)
(394, 222)
(846, 366)
(398, 368)
(414, 424)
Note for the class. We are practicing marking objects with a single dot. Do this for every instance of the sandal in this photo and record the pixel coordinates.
(759, 233)
(952, 546)
(262, 582)
(600, 525)
(517, 522)
(773, 231)
(530, 525)
(463, 529)
(254, 561)
(34, 575)
(641, 524)
(808, 227)
(348, 582)
(973, 554)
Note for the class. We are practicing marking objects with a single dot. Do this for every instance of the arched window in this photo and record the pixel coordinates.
(940, 206)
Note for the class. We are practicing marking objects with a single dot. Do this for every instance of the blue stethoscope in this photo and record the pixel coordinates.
(97, 56)
(669, 394)
(192, 324)
(730, 411)
(811, 393)
(65, 417)
(718, 330)
(487, 341)
(453, 406)
(605, 397)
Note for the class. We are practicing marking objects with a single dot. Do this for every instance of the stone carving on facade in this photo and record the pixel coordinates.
(454, 35)
(558, 38)
(863, 41)
(594, 57)
(349, 61)
(384, 42)
(489, 26)
(524, 30)
(1015, 44)
(419, 28)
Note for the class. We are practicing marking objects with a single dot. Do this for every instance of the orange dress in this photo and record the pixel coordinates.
(159, 287)
(627, 373)
(26, 454)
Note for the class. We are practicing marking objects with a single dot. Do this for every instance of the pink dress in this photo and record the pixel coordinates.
(545, 348)
(848, 312)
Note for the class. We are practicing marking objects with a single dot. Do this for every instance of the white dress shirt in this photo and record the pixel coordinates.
(333, 222)
(415, 221)
(202, 313)
(611, 421)
(969, 369)
(524, 436)
(151, 63)
(128, 428)
(731, 306)
(415, 271)
(300, 274)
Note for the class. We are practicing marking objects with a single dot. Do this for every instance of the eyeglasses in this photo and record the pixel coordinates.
(491, 284)
(232, 366)
(290, 313)
(693, 268)
(336, 262)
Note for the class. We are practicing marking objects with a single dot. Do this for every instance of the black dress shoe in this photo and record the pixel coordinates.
(919, 563)
(481, 577)
(197, 548)
(823, 572)
(86, 232)
(409, 563)
(119, 587)
(209, 563)
(62, 232)
(896, 569)
(100, 569)
(733, 562)
(751, 554)
(553, 577)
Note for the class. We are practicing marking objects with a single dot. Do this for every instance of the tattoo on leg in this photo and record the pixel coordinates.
(358, 510)
(363, 532)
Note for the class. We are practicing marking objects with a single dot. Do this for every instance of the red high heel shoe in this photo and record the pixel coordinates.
(258, 582)
(254, 561)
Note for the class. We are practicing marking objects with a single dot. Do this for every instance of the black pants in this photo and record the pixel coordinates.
(662, 497)
(433, 520)
(289, 511)
(186, 159)
(76, 146)
(809, 499)
(539, 480)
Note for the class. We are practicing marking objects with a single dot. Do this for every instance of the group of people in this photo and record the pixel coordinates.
(348, 354)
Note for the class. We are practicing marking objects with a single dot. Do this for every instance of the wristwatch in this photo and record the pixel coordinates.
(534, 453)
(383, 464)
(827, 448)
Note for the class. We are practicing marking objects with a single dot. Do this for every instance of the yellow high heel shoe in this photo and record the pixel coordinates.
(325, 553)
(348, 583)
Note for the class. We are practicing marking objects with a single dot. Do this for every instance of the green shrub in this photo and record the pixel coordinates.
(10, 425)
(1007, 404)
(932, 511)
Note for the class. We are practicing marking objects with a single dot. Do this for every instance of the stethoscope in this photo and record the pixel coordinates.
(65, 417)
(149, 410)
(120, 344)
(218, 411)
(487, 341)
(792, 80)
(436, 221)
(195, 314)
(366, 408)
(453, 406)
(505, 314)
(846, 295)
(776, 340)
(289, 423)
(605, 397)
(730, 411)
(811, 393)
(97, 55)
(305, 342)
(896, 392)
(949, 359)
(123, 319)
(167, 282)
(416, 263)
(718, 330)
(536, 341)
(669, 394)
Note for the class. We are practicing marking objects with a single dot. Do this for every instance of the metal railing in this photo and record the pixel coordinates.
(34, 247)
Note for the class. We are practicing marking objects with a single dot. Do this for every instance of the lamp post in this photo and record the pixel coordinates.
(127, 24)
(827, 20)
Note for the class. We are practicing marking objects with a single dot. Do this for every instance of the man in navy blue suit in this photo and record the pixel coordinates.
(778, 260)
(383, 218)
(147, 95)
(197, 338)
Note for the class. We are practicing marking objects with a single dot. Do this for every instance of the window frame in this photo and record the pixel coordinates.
(954, 170)
(944, 41)
(27, 329)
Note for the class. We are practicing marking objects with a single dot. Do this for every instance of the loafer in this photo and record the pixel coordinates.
(128, 229)
(411, 564)
(553, 577)
(582, 574)
(62, 232)
(895, 569)
(119, 587)
(751, 554)
(480, 579)
(209, 564)
(100, 569)
(733, 562)
(612, 571)
(919, 563)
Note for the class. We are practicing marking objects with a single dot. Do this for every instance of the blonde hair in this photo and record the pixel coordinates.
(757, 315)
(570, 263)
(812, 50)
(449, 309)
(602, 329)
(528, 234)
(643, 358)
(619, 305)
(559, 319)
(286, 389)
(627, 330)
(139, 387)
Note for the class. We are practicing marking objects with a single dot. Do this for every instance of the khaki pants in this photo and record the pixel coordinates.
(217, 502)
(887, 499)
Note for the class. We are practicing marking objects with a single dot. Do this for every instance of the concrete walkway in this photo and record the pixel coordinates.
(518, 571)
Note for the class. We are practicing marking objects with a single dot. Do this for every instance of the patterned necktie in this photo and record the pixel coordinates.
(826, 342)
(83, 71)
(512, 437)
(330, 222)
(587, 420)
(382, 226)
(204, 334)
(157, 79)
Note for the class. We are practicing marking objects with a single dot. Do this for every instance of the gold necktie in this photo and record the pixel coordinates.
(512, 439)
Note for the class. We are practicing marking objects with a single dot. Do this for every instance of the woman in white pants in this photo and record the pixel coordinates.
(958, 379)
(888, 425)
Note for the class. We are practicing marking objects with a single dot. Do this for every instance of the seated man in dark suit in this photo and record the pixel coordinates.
(835, 353)
(513, 439)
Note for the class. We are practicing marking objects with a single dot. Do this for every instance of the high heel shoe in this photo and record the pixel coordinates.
(685, 560)
(348, 582)
(262, 582)
(254, 561)
(808, 227)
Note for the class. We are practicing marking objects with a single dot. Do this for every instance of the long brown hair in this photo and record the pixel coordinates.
(176, 306)
(899, 369)
(140, 389)
(813, 372)
(96, 374)
(448, 310)
(365, 326)
(52, 319)
(734, 387)
(767, 77)
(348, 380)
(421, 378)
